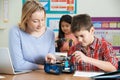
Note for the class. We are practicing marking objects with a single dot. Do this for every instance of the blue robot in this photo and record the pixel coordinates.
(65, 66)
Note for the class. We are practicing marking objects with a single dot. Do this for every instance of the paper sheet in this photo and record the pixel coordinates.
(1, 77)
(87, 74)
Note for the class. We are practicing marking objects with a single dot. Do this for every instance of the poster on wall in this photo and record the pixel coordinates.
(53, 23)
(59, 6)
(109, 29)
(111, 35)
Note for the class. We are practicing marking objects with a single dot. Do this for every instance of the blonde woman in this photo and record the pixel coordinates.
(31, 43)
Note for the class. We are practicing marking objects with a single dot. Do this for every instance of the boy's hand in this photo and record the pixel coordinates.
(79, 56)
(50, 58)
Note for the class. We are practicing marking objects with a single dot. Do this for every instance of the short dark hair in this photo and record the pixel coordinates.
(81, 21)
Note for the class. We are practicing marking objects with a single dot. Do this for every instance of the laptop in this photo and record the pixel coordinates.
(6, 65)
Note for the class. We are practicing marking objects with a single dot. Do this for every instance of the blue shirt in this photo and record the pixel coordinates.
(28, 51)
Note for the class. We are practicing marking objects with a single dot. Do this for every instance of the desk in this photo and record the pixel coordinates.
(41, 75)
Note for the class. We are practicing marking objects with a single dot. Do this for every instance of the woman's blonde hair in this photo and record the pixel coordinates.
(28, 9)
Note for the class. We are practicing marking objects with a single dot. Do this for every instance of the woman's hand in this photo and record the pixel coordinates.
(50, 58)
(40, 66)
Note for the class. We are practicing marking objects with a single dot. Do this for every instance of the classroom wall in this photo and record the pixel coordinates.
(96, 8)
(99, 8)
(14, 17)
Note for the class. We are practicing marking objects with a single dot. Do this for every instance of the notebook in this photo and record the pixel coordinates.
(108, 76)
(6, 65)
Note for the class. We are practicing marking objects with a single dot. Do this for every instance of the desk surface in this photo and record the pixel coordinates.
(41, 75)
